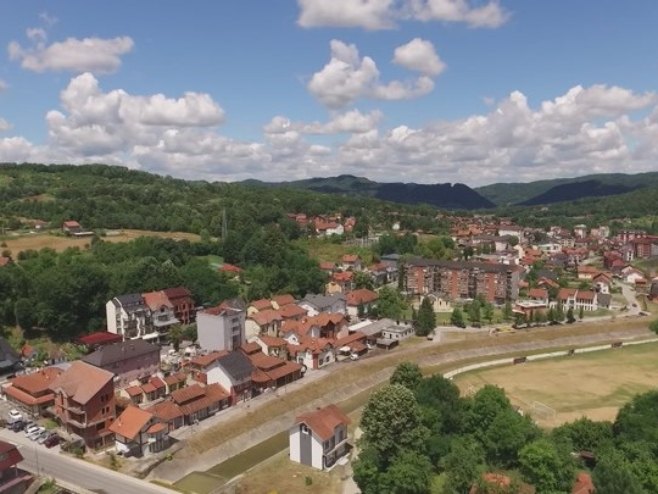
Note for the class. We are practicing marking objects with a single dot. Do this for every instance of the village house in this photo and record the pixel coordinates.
(231, 370)
(137, 432)
(162, 311)
(167, 412)
(267, 321)
(222, 327)
(198, 402)
(183, 303)
(314, 304)
(572, 298)
(354, 344)
(270, 372)
(361, 299)
(383, 273)
(351, 262)
(12, 479)
(587, 272)
(602, 282)
(134, 360)
(71, 227)
(258, 306)
(539, 295)
(272, 345)
(280, 301)
(340, 282)
(319, 438)
(32, 391)
(84, 403)
(313, 353)
(128, 316)
(631, 275)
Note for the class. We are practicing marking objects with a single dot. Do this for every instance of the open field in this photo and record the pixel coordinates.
(594, 385)
(324, 250)
(59, 243)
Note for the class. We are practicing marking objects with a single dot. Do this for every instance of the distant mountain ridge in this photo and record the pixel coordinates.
(446, 196)
(566, 189)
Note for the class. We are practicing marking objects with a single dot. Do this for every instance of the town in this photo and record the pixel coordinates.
(164, 365)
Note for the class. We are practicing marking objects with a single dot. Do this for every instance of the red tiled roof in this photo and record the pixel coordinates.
(327, 266)
(81, 381)
(261, 304)
(284, 370)
(148, 388)
(291, 311)
(230, 268)
(583, 484)
(100, 338)
(157, 383)
(188, 393)
(155, 428)
(265, 317)
(250, 348)
(134, 391)
(130, 422)
(282, 300)
(265, 362)
(204, 361)
(156, 300)
(26, 398)
(540, 293)
(166, 411)
(351, 338)
(175, 378)
(324, 421)
(10, 454)
(37, 382)
(361, 296)
(342, 276)
(350, 258)
(585, 295)
(566, 293)
(272, 341)
(71, 224)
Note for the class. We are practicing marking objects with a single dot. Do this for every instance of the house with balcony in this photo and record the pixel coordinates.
(319, 438)
(198, 402)
(84, 403)
(129, 316)
(222, 327)
(32, 391)
(184, 306)
(137, 432)
(162, 312)
(233, 372)
(133, 360)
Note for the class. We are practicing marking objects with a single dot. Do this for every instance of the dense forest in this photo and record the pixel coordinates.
(421, 436)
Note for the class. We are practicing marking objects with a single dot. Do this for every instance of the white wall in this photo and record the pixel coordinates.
(317, 452)
(293, 440)
(111, 316)
(217, 375)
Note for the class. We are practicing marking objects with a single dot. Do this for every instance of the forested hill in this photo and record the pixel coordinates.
(101, 196)
(444, 196)
(566, 189)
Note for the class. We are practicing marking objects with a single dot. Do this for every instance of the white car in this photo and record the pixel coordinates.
(34, 435)
(14, 416)
(29, 430)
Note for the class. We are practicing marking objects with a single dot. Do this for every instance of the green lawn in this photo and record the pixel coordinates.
(326, 251)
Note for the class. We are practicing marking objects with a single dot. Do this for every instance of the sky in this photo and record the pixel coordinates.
(470, 91)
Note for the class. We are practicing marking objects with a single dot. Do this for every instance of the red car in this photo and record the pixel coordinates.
(52, 441)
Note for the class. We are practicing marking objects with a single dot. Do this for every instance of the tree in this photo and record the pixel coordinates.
(613, 475)
(507, 311)
(654, 326)
(486, 404)
(636, 420)
(390, 303)
(489, 312)
(581, 313)
(570, 317)
(513, 240)
(409, 473)
(585, 434)
(426, 321)
(363, 280)
(559, 312)
(175, 336)
(506, 435)
(474, 311)
(457, 318)
(367, 471)
(544, 466)
(391, 423)
(407, 374)
(360, 310)
(463, 464)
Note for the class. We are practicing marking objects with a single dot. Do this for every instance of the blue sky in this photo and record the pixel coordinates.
(473, 91)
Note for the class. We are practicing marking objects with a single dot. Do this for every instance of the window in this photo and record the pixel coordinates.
(305, 429)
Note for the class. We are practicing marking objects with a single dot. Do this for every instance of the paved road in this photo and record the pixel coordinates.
(42, 461)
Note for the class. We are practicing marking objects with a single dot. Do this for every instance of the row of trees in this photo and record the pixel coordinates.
(417, 429)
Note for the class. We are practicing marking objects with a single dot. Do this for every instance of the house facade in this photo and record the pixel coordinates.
(32, 391)
(222, 327)
(314, 304)
(184, 307)
(84, 403)
(319, 438)
(133, 360)
(137, 432)
(128, 316)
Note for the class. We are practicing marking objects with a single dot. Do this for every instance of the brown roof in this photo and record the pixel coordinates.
(272, 341)
(131, 421)
(250, 347)
(342, 276)
(585, 295)
(282, 300)
(37, 382)
(26, 398)
(540, 293)
(261, 304)
(166, 411)
(351, 338)
(134, 391)
(155, 428)
(176, 293)
(265, 362)
(155, 300)
(327, 266)
(565, 293)
(350, 258)
(283, 370)
(361, 296)
(324, 421)
(148, 388)
(81, 381)
(157, 382)
(175, 378)
(291, 310)
(211, 395)
(205, 360)
(71, 224)
(325, 318)
(10, 454)
(265, 317)
(188, 393)
(583, 484)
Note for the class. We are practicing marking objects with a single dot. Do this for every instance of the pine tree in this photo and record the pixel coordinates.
(581, 313)
(426, 318)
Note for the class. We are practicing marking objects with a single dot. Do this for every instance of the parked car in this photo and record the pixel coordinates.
(52, 440)
(31, 428)
(36, 433)
(19, 425)
(43, 436)
(14, 416)
(27, 424)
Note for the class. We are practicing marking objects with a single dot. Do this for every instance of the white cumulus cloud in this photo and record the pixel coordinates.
(419, 55)
(348, 77)
(96, 55)
(386, 14)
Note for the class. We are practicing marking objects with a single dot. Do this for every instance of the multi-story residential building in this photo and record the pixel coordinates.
(222, 327)
(31, 391)
(184, 308)
(84, 403)
(130, 317)
(138, 432)
(454, 280)
(163, 315)
(133, 360)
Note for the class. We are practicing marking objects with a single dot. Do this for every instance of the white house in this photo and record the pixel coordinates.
(233, 373)
(222, 327)
(631, 274)
(314, 304)
(319, 438)
(137, 433)
(129, 316)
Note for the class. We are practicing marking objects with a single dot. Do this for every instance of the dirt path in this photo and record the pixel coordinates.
(229, 438)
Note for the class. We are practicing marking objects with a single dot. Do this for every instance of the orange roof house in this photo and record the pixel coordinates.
(32, 391)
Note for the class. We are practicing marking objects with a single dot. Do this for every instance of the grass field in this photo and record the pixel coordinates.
(324, 250)
(594, 385)
(59, 243)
